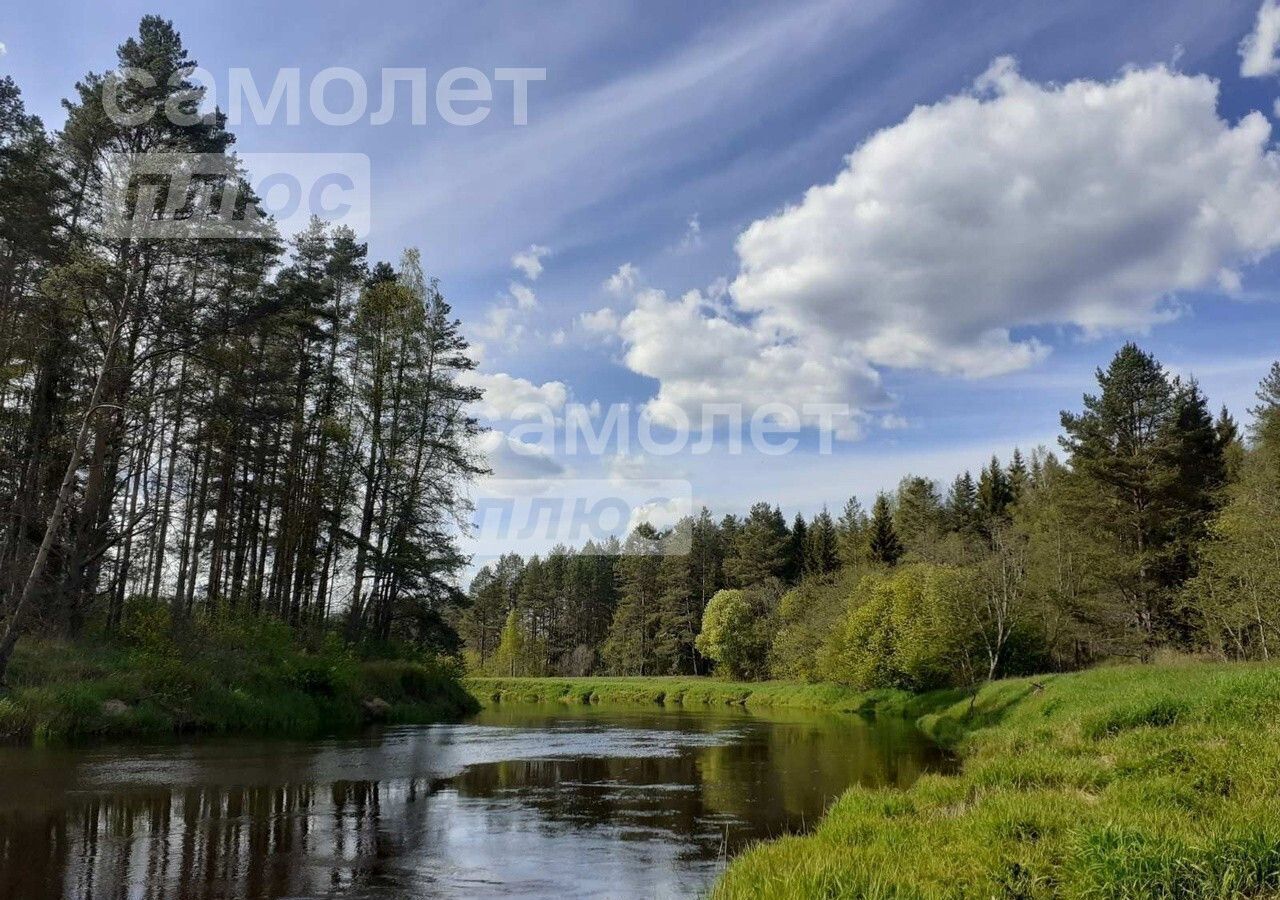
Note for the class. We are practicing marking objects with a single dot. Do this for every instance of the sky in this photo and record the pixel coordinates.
(942, 216)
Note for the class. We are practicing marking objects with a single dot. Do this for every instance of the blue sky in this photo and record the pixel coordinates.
(656, 115)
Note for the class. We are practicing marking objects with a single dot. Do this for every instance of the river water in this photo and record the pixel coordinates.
(520, 800)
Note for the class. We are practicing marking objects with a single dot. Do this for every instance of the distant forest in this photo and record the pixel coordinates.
(1155, 528)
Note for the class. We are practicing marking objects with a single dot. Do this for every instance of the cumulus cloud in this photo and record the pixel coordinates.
(623, 281)
(703, 359)
(1018, 205)
(515, 459)
(661, 514)
(3, 49)
(530, 261)
(894, 422)
(949, 236)
(1258, 50)
(508, 397)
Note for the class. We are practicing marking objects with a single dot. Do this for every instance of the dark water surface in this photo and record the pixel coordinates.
(534, 801)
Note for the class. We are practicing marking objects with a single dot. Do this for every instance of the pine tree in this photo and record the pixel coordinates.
(797, 546)
(1017, 475)
(1229, 441)
(919, 517)
(631, 646)
(852, 534)
(883, 543)
(1123, 460)
(962, 505)
(995, 493)
(679, 612)
(759, 548)
(822, 547)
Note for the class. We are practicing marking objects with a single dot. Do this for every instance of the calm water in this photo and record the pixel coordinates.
(537, 801)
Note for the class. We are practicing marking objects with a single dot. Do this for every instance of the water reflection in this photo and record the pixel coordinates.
(521, 800)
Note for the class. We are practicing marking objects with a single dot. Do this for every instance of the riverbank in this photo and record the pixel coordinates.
(694, 691)
(246, 677)
(1156, 781)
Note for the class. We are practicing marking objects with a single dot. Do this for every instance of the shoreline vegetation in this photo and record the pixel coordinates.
(688, 691)
(250, 676)
(1125, 781)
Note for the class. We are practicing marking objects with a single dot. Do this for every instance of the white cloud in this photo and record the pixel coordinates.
(661, 514)
(702, 359)
(508, 397)
(1258, 50)
(523, 295)
(511, 458)
(624, 281)
(1013, 206)
(631, 467)
(3, 49)
(530, 261)
(1018, 205)
(602, 321)
(500, 327)
(894, 422)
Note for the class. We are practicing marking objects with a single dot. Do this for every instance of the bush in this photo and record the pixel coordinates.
(806, 617)
(904, 629)
(737, 628)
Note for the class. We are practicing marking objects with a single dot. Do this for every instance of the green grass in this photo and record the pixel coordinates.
(1158, 781)
(687, 691)
(246, 677)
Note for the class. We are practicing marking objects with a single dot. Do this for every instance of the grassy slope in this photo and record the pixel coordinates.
(1119, 782)
(235, 680)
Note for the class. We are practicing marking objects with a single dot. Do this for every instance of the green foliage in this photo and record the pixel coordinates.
(736, 632)
(807, 615)
(690, 692)
(760, 548)
(904, 629)
(518, 654)
(1146, 465)
(883, 544)
(1236, 593)
(918, 518)
(247, 674)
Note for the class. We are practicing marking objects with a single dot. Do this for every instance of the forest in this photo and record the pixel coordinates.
(1151, 530)
(207, 429)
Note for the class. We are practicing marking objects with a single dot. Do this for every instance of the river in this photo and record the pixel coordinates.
(520, 800)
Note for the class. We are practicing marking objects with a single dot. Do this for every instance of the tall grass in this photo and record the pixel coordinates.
(248, 675)
(1118, 782)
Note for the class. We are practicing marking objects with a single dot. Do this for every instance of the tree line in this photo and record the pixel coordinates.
(1153, 527)
(224, 426)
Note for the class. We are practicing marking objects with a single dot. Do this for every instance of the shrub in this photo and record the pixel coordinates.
(904, 629)
(736, 631)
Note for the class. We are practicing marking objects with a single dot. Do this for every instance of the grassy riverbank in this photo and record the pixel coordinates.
(246, 677)
(1120, 782)
(688, 691)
